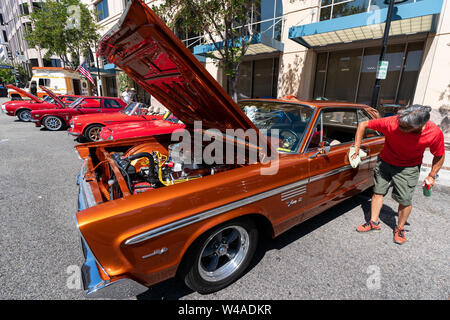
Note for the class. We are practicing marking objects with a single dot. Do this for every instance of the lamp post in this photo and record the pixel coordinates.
(382, 63)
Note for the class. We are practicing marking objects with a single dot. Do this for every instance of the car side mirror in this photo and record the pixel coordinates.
(324, 148)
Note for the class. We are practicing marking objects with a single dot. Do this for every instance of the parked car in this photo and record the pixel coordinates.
(89, 126)
(166, 125)
(56, 119)
(23, 108)
(148, 211)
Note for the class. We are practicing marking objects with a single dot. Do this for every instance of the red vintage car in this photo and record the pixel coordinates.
(90, 125)
(23, 108)
(56, 119)
(166, 125)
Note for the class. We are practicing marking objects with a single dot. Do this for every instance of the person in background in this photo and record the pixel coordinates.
(133, 95)
(126, 96)
(407, 135)
(33, 88)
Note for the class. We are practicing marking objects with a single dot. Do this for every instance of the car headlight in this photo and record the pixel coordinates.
(72, 125)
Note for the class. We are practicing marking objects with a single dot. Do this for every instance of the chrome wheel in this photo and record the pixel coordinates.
(223, 253)
(53, 123)
(24, 115)
(93, 133)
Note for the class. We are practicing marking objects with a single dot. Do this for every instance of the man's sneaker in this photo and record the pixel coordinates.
(399, 235)
(369, 226)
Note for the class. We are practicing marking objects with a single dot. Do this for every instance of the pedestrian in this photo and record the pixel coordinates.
(407, 135)
(133, 95)
(33, 88)
(126, 96)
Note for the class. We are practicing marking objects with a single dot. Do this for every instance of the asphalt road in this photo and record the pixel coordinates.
(324, 258)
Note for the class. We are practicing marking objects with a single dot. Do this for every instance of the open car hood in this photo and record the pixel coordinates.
(148, 51)
(53, 96)
(25, 93)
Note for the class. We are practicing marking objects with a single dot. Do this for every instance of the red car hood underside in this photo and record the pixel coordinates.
(29, 95)
(148, 51)
(54, 96)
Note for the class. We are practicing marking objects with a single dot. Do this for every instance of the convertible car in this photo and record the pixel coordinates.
(89, 126)
(166, 125)
(56, 119)
(149, 210)
(23, 108)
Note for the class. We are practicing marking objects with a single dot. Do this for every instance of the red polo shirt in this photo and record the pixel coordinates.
(404, 149)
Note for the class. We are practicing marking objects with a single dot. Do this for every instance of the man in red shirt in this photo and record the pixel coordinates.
(407, 135)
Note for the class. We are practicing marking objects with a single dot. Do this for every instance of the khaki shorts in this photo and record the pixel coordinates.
(404, 181)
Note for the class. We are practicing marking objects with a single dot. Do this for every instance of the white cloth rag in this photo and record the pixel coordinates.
(355, 162)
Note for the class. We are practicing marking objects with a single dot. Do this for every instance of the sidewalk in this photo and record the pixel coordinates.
(444, 173)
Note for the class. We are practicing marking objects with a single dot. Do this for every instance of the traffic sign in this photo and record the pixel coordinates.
(5, 67)
(382, 70)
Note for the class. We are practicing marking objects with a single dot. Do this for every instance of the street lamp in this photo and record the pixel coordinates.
(382, 64)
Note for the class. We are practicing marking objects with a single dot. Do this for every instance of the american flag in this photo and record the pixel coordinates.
(83, 69)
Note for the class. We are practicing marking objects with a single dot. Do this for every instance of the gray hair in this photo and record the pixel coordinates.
(414, 116)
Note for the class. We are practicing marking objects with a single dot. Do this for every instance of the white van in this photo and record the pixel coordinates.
(59, 80)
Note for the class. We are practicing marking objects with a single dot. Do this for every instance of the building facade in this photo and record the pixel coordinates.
(330, 50)
(13, 23)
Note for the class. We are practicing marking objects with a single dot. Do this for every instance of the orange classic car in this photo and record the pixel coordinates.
(149, 211)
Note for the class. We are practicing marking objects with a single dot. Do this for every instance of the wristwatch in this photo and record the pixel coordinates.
(433, 176)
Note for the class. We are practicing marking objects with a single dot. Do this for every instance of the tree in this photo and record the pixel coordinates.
(7, 75)
(226, 23)
(65, 28)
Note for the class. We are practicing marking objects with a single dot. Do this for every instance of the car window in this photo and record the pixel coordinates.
(90, 103)
(334, 127)
(110, 103)
(44, 82)
(288, 121)
(369, 133)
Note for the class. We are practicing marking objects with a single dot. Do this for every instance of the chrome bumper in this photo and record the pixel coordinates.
(73, 133)
(94, 286)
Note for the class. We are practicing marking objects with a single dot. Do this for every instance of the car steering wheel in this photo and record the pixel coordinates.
(288, 139)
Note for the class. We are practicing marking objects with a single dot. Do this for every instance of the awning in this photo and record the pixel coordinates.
(260, 44)
(407, 19)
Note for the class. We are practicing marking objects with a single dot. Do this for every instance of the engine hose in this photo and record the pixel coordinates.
(151, 165)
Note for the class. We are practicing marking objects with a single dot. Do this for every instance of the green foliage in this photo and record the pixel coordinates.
(52, 30)
(224, 22)
(7, 76)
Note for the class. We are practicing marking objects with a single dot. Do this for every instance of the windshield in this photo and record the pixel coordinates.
(137, 109)
(290, 120)
(76, 103)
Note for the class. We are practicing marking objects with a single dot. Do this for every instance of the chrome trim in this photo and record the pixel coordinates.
(210, 213)
(231, 206)
(284, 198)
(158, 251)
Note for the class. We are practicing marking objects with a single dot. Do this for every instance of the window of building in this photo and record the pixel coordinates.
(102, 10)
(350, 75)
(258, 79)
(342, 75)
(34, 62)
(37, 6)
(330, 9)
(268, 13)
(5, 37)
(24, 10)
